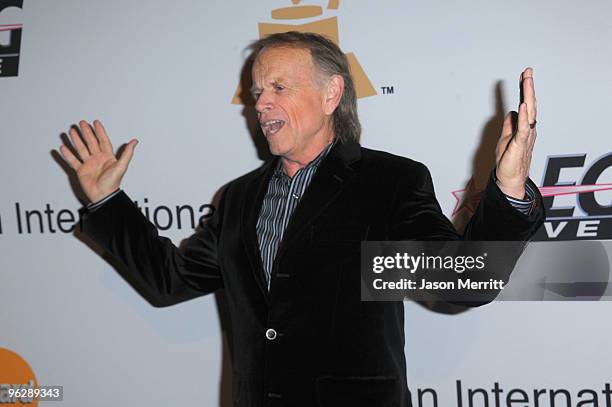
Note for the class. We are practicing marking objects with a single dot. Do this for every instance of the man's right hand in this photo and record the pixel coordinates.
(98, 169)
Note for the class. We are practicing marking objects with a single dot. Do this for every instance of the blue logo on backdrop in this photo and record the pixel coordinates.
(578, 207)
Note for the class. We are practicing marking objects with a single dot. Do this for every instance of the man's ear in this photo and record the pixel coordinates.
(333, 93)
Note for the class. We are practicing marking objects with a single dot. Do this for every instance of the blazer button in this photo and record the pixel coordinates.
(271, 334)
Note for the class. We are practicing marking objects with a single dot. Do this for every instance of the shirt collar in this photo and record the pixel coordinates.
(279, 170)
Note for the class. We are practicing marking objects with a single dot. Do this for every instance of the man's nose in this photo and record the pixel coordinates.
(264, 102)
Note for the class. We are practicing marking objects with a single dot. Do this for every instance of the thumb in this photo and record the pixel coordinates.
(507, 128)
(504, 138)
(127, 155)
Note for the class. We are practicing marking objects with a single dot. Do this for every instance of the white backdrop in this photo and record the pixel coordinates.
(165, 72)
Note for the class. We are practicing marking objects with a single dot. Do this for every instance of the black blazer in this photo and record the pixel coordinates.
(309, 341)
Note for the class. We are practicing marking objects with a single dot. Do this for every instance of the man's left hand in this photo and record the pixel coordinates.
(515, 146)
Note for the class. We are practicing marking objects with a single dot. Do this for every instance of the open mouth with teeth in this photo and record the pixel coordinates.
(271, 127)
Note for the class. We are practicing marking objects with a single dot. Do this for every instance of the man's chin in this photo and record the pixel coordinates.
(277, 150)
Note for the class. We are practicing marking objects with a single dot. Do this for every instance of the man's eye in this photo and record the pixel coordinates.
(279, 87)
(256, 95)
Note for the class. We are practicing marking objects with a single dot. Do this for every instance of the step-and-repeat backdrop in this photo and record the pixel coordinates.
(435, 80)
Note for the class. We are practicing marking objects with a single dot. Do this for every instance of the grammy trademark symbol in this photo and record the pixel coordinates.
(387, 90)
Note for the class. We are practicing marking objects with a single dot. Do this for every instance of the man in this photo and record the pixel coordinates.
(284, 241)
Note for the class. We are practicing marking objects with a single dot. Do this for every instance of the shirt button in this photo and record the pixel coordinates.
(296, 196)
(271, 334)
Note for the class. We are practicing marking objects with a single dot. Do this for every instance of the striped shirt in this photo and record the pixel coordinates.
(281, 199)
(525, 205)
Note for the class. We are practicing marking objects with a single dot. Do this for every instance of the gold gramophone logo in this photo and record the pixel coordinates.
(325, 26)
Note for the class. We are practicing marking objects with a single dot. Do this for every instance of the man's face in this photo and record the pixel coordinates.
(290, 104)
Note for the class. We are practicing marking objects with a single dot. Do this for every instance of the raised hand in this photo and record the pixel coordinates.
(515, 146)
(98, 169)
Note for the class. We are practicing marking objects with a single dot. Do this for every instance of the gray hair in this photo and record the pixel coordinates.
(330, 60)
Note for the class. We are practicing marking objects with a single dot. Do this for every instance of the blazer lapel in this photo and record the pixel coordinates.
(251, 205)
(329, 180)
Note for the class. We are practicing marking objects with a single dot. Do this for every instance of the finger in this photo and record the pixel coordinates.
(78, 144)
(528, 90)
(90, 138)
(523, 130)
(127, 155)
(70, 158)
(105, 143)
(506, 135)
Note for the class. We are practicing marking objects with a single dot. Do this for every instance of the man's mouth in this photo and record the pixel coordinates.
(271, 127)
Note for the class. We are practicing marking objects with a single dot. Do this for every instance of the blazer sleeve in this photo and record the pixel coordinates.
(171, 274)
(416, 214)
(496, 219)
